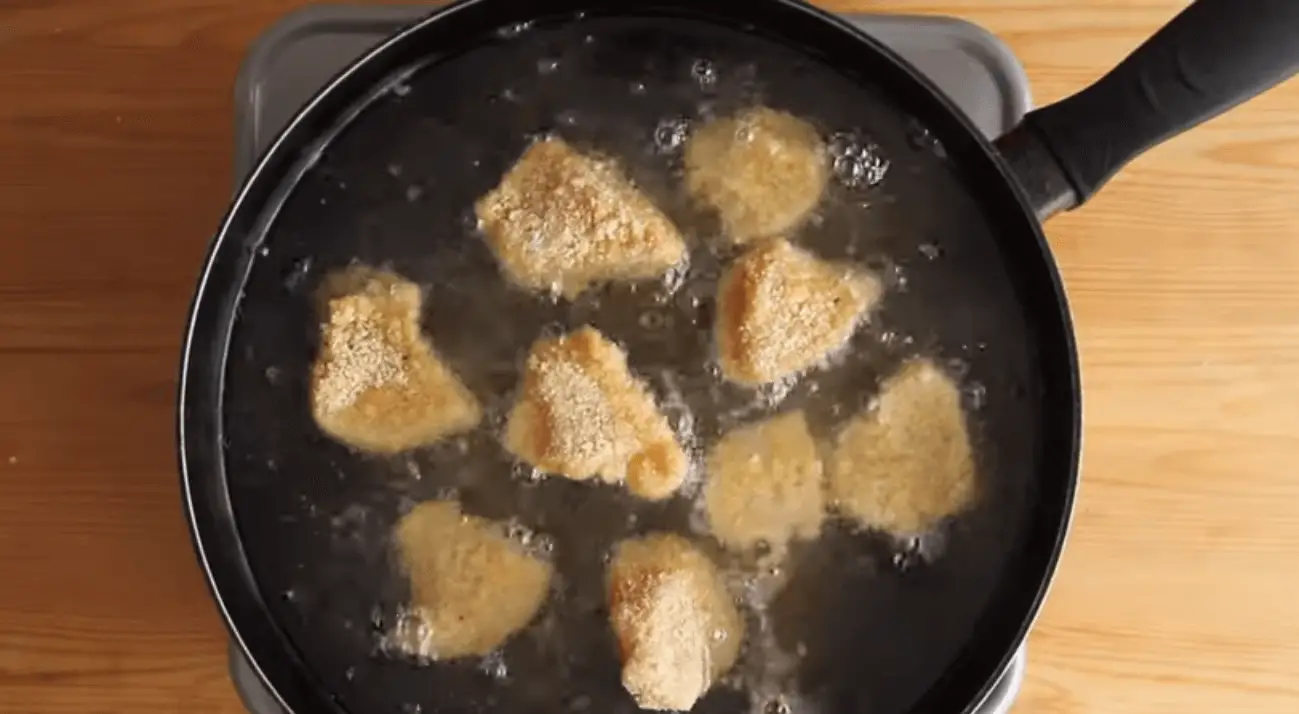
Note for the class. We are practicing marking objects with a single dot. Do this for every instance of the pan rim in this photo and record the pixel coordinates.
(230, 255)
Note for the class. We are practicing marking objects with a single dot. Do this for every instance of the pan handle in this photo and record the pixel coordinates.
(1211, 57)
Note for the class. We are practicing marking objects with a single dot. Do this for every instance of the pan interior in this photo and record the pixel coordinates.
(879, 620)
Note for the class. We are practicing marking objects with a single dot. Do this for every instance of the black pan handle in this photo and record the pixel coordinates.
(1211, 57)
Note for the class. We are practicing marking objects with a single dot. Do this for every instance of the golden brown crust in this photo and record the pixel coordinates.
(581, 413)
(782, 310)
(377, 384)
(561, 220)
(678, 629)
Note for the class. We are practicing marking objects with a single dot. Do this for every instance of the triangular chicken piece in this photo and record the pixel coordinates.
(561, 221)
(471, 587)
(377, 383)
(581, 413)
(782, 310)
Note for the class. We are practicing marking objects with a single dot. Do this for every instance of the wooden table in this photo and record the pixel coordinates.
(1178, 591)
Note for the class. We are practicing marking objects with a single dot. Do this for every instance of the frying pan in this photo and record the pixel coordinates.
(382, 166)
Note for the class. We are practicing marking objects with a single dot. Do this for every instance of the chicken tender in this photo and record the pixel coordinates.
(678, 629)
(560, 221)
(765, 483)
(377, 384)
(908, 464)
(471, 587)
(581, 414)
(782, 310)
(763, 171)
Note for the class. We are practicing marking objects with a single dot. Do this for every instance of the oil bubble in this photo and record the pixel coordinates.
(494, 666)
(298, 274)
(526, 473)
(704, 73)
(921, 139)
(670, 134)
(857, 162)
(519, 534)
(513, 30)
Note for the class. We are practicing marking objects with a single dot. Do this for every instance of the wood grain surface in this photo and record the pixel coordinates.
(1178, 589)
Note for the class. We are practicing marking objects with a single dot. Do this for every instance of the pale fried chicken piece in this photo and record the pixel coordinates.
(762, 170)
(908, 464)
(765, 484)
(471, 587)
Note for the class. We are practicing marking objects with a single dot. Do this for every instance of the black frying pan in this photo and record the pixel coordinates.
(382, 167)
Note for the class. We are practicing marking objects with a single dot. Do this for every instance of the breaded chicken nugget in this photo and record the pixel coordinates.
(763, 171)
(561, 220)
(471, 587)
(908, 464)
(765, 483)
(377, 384)
(581, 413)
(678, 630)
(781, 310)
